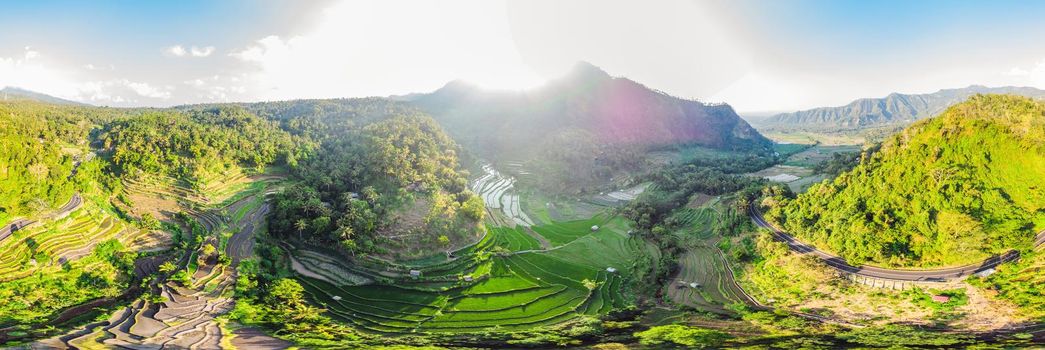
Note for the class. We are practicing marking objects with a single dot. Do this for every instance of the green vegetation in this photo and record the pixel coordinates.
(899, 335)
(691, 337)
(398, 174)
(196, 144)
(950, 190)
(37, 150)
(508, 291)
(668, 214)
(368, 234)
(103, 273)
(1021, 283)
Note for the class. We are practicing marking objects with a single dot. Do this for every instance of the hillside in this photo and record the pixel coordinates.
(585, 125)
(946, 191)
(13, 93)
(894, 109)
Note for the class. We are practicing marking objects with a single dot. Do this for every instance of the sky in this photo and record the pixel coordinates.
(758, 56)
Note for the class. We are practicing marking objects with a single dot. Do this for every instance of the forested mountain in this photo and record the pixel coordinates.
(895, 109)
(949, 190)
(13, 93)
(583, 123)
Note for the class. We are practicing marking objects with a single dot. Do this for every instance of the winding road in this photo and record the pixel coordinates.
(73, 204)
(907, 275)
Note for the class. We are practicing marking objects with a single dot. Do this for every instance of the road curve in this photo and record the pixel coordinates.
(69, 207)
(911, 275)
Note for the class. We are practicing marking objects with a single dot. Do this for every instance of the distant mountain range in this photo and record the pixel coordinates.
(13, 93)
(896, 109)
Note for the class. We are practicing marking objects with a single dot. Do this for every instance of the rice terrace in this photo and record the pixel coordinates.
(522, 174)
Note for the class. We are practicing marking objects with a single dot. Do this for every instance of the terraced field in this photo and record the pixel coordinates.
(185, 316)
(697, 223)
(474, 291)
(497, 193)
(704, 282)
(49, 244)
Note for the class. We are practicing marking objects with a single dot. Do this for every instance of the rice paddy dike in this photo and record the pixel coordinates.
(520, 275)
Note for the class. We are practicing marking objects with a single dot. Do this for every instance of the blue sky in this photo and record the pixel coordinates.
(756, 55)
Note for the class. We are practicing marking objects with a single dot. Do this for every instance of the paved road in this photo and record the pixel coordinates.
(69, 207)
(913, 275)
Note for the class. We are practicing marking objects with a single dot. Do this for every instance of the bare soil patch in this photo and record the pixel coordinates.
(698, 200)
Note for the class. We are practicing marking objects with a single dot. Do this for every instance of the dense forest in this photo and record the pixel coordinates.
(949, 190)
(190, 145)
(372, 172)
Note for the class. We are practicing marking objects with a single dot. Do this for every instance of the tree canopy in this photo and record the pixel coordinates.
(949, 190)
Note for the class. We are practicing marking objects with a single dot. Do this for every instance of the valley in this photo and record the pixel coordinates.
(356, 223)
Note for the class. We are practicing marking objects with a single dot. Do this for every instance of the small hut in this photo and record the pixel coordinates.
(415, 273)
(337, 298)
(611, 269)
(941, 298)
(594, 228)
(467, 278)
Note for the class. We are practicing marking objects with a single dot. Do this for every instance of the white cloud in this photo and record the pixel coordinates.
(93, 67)
(1034, 76)
(29, 72)
(367, 48)
(176, 50)
(201, 52)
(195, 51)
(32, 72)
(120, 90)
(216, 88)
(1038, 69)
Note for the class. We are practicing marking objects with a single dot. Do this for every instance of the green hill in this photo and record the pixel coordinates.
(946, 191)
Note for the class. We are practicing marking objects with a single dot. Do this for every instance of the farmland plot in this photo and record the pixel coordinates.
(704, 282)
(498, 193)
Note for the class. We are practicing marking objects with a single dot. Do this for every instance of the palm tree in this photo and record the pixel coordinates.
(301, 225)
(345, 232)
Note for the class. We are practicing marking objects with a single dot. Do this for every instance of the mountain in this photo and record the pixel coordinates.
(894, 109)
(13, 93)
(583, 121)
(949, 190)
